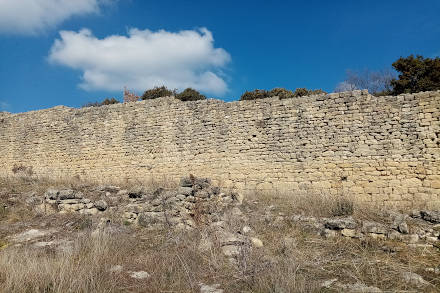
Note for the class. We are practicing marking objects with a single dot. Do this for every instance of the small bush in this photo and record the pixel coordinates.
(158, 92)
(21, 169)
(190, 94)
(343, 207)
(254, 95)
(281, 93)
(300, 92)
(107, 101)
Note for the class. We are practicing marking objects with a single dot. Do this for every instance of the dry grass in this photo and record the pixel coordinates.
(293, 259)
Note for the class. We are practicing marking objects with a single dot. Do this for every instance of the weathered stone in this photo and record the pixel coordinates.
(139, 275)
(66, 194)
(92, 211)
(186, 182)
(327, 233)
(116, 269)
(210, 288)
(186, 191)
(431, 216)
(231, 250)
(71, 201)
(31, 235)
(359, 288)
(51, 194)
(411, 238)
(349, 233)
(136, 192)
(101, 205)
(340, 223)
(256, 242)
(414, 279)
(373, 227)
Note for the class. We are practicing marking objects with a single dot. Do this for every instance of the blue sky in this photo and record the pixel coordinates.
(63, 52)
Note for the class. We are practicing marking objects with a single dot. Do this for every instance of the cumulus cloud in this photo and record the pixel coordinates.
(34, 16)
(143, 59)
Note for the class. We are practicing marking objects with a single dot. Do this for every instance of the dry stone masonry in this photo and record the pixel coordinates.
(378, 149)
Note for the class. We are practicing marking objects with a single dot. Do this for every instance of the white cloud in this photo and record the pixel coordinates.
(143, 59)
(34, 16)
(4, 106)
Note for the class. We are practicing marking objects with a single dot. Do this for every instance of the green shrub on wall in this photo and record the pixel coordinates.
(190, 94)
(107, 101)
(254, 95)
(158, 92)
(300, 92)
(282, 93)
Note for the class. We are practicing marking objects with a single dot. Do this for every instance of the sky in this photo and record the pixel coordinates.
(65, 52)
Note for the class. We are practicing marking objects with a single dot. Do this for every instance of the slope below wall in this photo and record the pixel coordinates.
(379, 149)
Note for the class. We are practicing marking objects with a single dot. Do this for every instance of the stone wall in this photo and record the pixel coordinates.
(378, 149)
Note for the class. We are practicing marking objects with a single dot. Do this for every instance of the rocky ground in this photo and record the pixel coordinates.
(196, 237)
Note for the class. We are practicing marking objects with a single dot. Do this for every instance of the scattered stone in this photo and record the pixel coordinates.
(186, 191)
(67, 194)
(431, 216)
(349, 233)
(433, 270)
(186, 182)
(399, 224)
(340, 223)
(373, 227)
(136, 192)
(42, 244)
(246, 230)
(360, 287)
(328, 283)
(327, 233)
(116, 269)
(139, 275)
(31, 235)
(45, 208)
(415, 214)
(230, 250)
(108, 188)
(210, 288)
(101, 205)
(256, 242)
(411, 238)
(414, 279)
(420, 245)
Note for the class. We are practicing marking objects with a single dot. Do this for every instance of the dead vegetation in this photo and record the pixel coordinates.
(293, 259)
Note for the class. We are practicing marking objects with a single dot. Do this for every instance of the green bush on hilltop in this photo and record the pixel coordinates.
(254, 95)
(190, 94)
(158, 92)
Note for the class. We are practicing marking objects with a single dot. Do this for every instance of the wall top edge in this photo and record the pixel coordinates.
(171, 100)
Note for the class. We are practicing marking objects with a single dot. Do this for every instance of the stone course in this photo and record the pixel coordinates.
(378, 149)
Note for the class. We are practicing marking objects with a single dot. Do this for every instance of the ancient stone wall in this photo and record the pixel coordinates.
(379, 149)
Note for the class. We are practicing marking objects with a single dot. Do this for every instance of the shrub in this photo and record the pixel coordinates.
(157, 92)
(416, 74)
(130, 96)
(254, 95)
(300, 92)
(343, 207)
(190, 94)
(281, 93)
(21, 169)
(107, 101)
